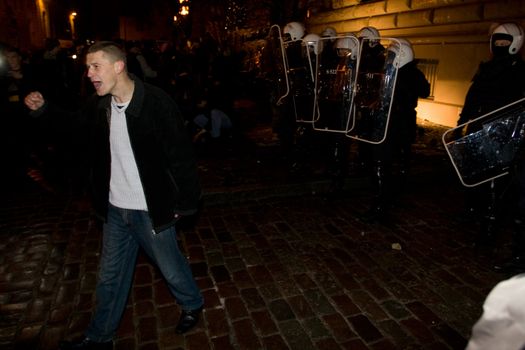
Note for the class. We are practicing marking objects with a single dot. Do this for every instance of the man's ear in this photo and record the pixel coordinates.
(119, 66)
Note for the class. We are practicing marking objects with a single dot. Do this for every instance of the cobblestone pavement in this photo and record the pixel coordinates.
(280, 266)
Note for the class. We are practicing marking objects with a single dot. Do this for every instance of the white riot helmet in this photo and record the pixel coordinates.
(507, 31)
(403, 50)
(368, 32)
(329, 32)
(312, 41)
(295, 30)
(346, 45)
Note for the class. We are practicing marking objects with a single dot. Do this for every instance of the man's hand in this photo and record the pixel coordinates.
(34, 100)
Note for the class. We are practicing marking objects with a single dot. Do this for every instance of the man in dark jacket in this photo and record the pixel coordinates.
(143, 179)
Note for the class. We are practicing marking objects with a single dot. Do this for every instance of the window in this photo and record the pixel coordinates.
(429, 68)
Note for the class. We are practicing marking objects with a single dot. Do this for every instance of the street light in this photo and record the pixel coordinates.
(184, 8)
(72, 16)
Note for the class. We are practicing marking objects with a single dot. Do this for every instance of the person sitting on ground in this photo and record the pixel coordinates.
(214, 123)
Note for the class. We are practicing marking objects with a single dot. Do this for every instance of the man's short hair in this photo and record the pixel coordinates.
(110, 48)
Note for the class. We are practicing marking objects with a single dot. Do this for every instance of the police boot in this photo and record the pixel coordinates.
(378, 211)
(516, 264)
(487, 234)
(404, 169)
(489, 223)
(337, 172)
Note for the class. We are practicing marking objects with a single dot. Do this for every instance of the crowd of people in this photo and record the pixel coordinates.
(382, 144)
(385, 117)
(202, 78)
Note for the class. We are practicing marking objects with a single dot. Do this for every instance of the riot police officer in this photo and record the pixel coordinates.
(335, 93)
(284, 123)
(411, 84)
(372, 59)
(498, 82)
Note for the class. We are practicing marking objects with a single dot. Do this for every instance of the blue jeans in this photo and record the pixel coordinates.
(124, 231)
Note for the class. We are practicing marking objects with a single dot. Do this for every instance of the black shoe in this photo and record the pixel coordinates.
(375, 215)
(188, 320)
(85, 344)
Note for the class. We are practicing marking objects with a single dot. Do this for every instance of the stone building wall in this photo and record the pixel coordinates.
(452, 33)
(23, 23)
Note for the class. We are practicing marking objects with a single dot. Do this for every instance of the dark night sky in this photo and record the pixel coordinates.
(99, 18)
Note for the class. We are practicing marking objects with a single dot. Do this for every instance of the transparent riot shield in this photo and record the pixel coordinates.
(489, 146)
(276, 65)
(335, 81)
(376, 80)
(301, 60)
